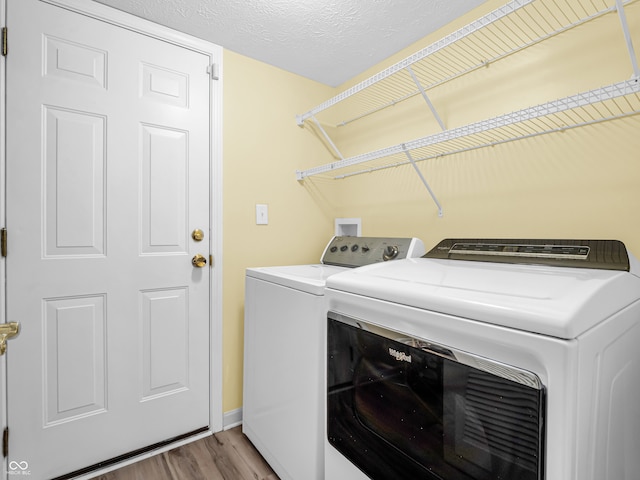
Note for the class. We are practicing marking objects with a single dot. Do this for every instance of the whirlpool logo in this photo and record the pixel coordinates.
(400, 356)
(19, 468)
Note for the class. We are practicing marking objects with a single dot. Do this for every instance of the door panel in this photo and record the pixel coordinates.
(164, 86)
(75, 62)
(75, 362)
(108, 173)
(164, 190)
(74, 177)
(165, 357)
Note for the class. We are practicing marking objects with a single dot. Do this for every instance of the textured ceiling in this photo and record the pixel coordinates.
(329, 41)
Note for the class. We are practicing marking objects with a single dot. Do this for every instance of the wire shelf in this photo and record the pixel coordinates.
(507, 30)
(503, 32)
(614, 101)
(511, 28)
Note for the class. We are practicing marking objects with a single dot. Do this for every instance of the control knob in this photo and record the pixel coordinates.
(390, 252)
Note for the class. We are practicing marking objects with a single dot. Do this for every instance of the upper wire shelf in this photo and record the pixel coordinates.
(515, 26)
(509, 29)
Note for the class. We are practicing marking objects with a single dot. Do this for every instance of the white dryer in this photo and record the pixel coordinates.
(284, 331)
(486, 359)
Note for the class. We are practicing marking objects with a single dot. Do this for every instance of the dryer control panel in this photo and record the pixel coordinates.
(359, 251)
(598, 254)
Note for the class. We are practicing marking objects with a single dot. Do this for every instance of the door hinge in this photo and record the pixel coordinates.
(4, 42)
(213, 71)
(5, 442)
(3, 242)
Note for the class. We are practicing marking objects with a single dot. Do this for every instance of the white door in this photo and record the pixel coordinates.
(107, 177)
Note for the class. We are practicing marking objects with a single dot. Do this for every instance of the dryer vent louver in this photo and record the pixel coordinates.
(496, 419)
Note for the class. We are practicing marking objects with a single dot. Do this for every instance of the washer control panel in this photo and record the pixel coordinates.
(359, 251)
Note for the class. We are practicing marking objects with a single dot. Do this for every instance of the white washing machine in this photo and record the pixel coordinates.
(486, 359)
(284, 333)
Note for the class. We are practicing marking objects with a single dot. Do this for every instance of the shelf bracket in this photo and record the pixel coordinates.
(413, 162)
(426, 98)
(327, 138)
(627, 37)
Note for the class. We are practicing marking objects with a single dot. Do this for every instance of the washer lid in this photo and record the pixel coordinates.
(560, 302)
(308, 278)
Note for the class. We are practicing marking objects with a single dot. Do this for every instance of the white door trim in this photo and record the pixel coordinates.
(214, 52)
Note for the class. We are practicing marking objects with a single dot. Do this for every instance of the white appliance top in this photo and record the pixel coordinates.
(307, 278)
(551, 300)
(340, 254)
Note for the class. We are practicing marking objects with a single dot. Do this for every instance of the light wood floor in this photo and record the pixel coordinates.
(226, 455)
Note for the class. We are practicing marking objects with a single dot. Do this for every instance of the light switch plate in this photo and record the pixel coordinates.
(262, 214)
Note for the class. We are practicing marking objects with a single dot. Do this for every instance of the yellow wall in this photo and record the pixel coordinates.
(583, 183)
(262, 149)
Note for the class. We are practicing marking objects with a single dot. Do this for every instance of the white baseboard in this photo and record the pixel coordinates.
(232, 418)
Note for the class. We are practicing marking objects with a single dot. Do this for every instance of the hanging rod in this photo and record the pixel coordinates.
(565, 104)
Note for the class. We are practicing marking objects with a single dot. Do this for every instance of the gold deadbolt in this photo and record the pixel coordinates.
(199, 261)
(7, 331)
(197, 235)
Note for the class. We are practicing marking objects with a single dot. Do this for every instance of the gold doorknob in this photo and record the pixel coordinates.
(7, 331)
(197, 235)
(199, 261)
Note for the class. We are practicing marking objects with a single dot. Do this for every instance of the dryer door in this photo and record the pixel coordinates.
(407, 408)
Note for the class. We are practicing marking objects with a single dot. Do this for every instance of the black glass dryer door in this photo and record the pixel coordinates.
(408, 409)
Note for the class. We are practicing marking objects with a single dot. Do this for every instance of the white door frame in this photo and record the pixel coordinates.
(214, 52)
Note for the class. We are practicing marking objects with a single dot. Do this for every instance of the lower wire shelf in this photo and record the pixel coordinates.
(611, 102)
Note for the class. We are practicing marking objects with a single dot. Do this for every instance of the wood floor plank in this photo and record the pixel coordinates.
(192, 461)
(236, 448)
(154, 467)
(227, 455)
(227, 459)
(248, 454)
